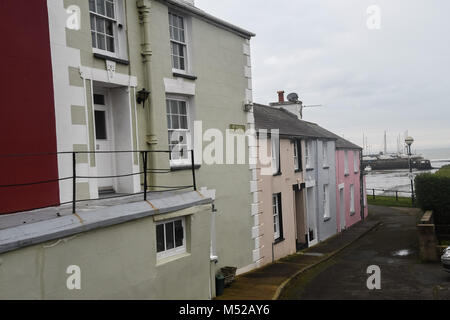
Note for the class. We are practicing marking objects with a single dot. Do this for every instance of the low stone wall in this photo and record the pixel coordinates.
(428, 242)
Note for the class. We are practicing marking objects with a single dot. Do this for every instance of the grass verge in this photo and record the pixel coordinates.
(390, 201)
(444, 171)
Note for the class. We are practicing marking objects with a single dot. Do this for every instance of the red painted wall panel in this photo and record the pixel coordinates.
(27, 113)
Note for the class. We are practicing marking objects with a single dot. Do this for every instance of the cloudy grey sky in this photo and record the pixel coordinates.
(394, 79)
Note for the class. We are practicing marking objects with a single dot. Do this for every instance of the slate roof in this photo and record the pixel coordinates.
(341, 143)
(289, 125)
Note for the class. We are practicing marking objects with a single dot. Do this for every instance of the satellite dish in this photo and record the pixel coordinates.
(292, 97)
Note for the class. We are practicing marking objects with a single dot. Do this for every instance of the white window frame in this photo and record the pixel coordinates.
(176, 250)
(326, 202)
(297, 145)
(325, 153)
(308, 154)
(185, 44)
(346, 168)
(187, 160)
(276, 163)
(276, 217)
(115, 21)
(352, 199)
(355, 161)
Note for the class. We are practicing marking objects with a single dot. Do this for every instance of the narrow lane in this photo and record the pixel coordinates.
(393, 246)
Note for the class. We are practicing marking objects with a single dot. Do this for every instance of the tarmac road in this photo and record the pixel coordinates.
(393, 246)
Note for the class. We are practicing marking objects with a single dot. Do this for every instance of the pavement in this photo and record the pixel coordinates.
(393, 246)
(269, 282)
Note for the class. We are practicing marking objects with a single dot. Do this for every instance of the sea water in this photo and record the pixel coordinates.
(399, 180)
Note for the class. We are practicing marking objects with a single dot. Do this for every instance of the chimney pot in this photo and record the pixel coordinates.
(281, 96)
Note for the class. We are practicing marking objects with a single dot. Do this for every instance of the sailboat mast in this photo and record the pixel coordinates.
(364, 144)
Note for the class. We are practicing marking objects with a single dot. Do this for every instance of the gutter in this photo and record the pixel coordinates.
(345, 148)
(293, 136)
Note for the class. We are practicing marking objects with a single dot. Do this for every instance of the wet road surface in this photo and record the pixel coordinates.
(393, 246)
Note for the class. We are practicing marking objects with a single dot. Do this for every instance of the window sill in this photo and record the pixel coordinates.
(352, 214)
(346, 174)
(105, 57)
(326, 167)
(298, 170)
(278, 241)
(327, 219)
(185, 76)
(184, 167)
(277, 174)
(309, 169)
(164, 261)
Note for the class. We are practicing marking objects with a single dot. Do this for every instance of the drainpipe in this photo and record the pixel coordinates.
(361, 185)
(318, 189)
(146, 52)
(273, 252)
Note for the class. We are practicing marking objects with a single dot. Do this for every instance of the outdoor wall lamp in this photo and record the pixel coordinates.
(142, 96)
(248, 105)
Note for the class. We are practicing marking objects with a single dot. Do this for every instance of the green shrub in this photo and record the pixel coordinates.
(433, 193)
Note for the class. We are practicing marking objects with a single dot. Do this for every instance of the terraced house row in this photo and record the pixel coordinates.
(316, 186)
(106, 111)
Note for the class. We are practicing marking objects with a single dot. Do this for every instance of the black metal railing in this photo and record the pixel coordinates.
(74, 154)
(389, 193)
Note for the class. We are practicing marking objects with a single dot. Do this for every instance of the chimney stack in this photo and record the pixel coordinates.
(293, 104)
(280, 96)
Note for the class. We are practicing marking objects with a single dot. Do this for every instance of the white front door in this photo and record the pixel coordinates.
(312, 226)
(342, 208)
(104, 141)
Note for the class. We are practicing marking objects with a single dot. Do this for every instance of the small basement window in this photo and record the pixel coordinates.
(170, 238)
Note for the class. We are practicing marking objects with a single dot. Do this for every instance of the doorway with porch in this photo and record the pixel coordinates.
(115, 134)
(311, 214)
(300, 218)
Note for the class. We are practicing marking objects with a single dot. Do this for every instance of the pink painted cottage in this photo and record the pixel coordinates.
(351, 186)
(351, 195)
